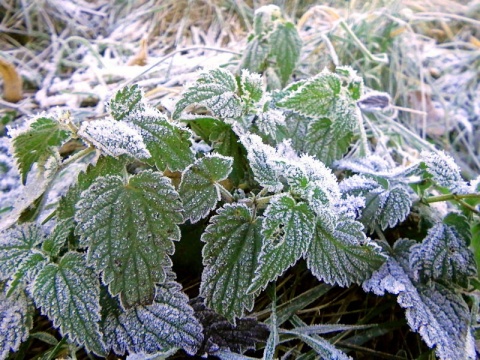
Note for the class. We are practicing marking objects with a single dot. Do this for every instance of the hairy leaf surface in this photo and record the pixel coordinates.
(16, 320)
(288, 228)
(57, 239)
(129, 229)
(68, 293)
(232, 245)
(166, 324)
(198, 189)
(436, 312)
(443, 255)
(36, 143)
(114, 138)
(342, 255)
(215, 89)
(251, 85)
(445, 171)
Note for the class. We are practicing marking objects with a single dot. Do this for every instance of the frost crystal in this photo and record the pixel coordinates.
(445, 171)
(114, 138)
(439, 314)
(269, 122)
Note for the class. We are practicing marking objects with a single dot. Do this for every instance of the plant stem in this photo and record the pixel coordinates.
(226, 196)
(456, 197)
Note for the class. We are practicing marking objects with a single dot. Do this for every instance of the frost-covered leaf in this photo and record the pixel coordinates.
(315, 97)
(342, 255)
(57, 239)
(385, 205)
(445, 171)
(17, 245)
(126, 101)
(168, 143)
(106, 165)
(439, 314)
(15, 322)
(36, 143)
(215, 89)
(251, 85)
(269, 122)
(255, 56)
(129, 228)
(230, 255)
(443, 255)
(221, 335)
(461, 224)
(355, 82)
(288, 228)
(114, 138)
(199, 190)
(285, 49)
(68, 293)
(329, 137)
(166, 324)
(259, 155)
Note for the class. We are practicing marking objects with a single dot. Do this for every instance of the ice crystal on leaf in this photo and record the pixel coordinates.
(443, 255)
(251, 85)
(168, 143)
(15, 321)
(166, 324)
(260, 156)
(128, 100)
(58, 237)
(68, 293)
(199, 187)
(445, 171)
(285, 49)
(436, 312)
(342, 255)
(385, 205)
(129, 229)
(114, 138)
(216, 90)
(19, 255)
(269, 121)
(36, 142)
(288, 228)
(232, 245)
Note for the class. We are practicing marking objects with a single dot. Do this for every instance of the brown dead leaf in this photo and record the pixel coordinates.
(12, 82)
(142, 55)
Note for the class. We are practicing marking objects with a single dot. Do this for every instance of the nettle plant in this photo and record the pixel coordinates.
(257, 166)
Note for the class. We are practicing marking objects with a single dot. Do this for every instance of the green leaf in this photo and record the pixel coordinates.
(440, 315)
(129, 228)
(328, 138)
(114, 138)
(57, 239)
(215, 89)
(342, 255)
(461, 224)
(445, 171)
(288, 228)
(126, 101)
(232, 245)
(68, 293)
(199, 187)
(168, 143)
(17, 245)
(16, 320)
(36, 143)
(166, 324)
(443, 255)
(105, 165)
(315, 97)
(285, 49)
(395, 207)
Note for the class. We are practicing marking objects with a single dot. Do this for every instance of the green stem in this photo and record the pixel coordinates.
(448, 197)
(226, 196)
